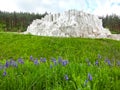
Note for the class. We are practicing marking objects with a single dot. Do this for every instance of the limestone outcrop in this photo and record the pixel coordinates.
(114, 36)
(71, 23)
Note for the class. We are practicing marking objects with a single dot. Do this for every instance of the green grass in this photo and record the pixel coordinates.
(81, 54)
(15, 45)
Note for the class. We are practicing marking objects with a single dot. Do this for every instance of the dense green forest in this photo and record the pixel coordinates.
(112, 22)
(18, 22)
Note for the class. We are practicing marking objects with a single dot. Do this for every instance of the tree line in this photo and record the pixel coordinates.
(18, 22)
(112, 22)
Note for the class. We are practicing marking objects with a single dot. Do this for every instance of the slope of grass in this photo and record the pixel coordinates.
(15, 45)
(87, 64)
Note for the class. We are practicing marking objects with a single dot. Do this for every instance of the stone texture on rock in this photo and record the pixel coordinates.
(71, 23)
(114, 36)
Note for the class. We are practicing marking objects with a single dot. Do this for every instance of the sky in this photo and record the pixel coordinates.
(96, 7)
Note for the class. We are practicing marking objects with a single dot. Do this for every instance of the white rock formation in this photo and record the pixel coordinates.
(71, 23)
(114, 36)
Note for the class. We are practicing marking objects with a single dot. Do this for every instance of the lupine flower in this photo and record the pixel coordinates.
(7, 64)
(54, 61)
(66, 77)
(13, 63)
(20, 60)
(43, 59)
(108, 61)
(4, 73)
(59, 60)
(64, 62)
(36, 62)
(31, 58)
(96, 62)
(89, 77)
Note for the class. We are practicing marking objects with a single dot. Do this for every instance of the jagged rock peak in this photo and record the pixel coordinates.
(70, 23)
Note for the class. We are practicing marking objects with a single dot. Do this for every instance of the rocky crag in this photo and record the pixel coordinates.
(71, 23)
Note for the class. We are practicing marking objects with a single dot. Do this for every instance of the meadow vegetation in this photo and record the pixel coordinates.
(51, 63)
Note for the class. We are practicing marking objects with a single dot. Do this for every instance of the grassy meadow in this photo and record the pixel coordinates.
(51, 63)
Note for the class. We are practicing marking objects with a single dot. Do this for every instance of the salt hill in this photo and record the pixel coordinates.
(70, 23)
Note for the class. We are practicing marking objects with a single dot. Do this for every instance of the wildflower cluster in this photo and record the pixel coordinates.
(35, 61)
(10, 63)
(60, 61)
(99, 62)
(61, 69)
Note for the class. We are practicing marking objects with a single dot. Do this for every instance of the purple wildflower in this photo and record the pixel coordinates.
(64, 62)
(54, 61)
(108, 61)
(42, 59)
(4, 73)
(7, 64)
(31, 58)
(59, 60)
(96, 62)
(36, 62)
(89, 77)
(13, 63)
(20, 60)
(66, 77)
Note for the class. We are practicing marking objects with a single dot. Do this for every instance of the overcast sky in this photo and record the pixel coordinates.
(97, 7)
